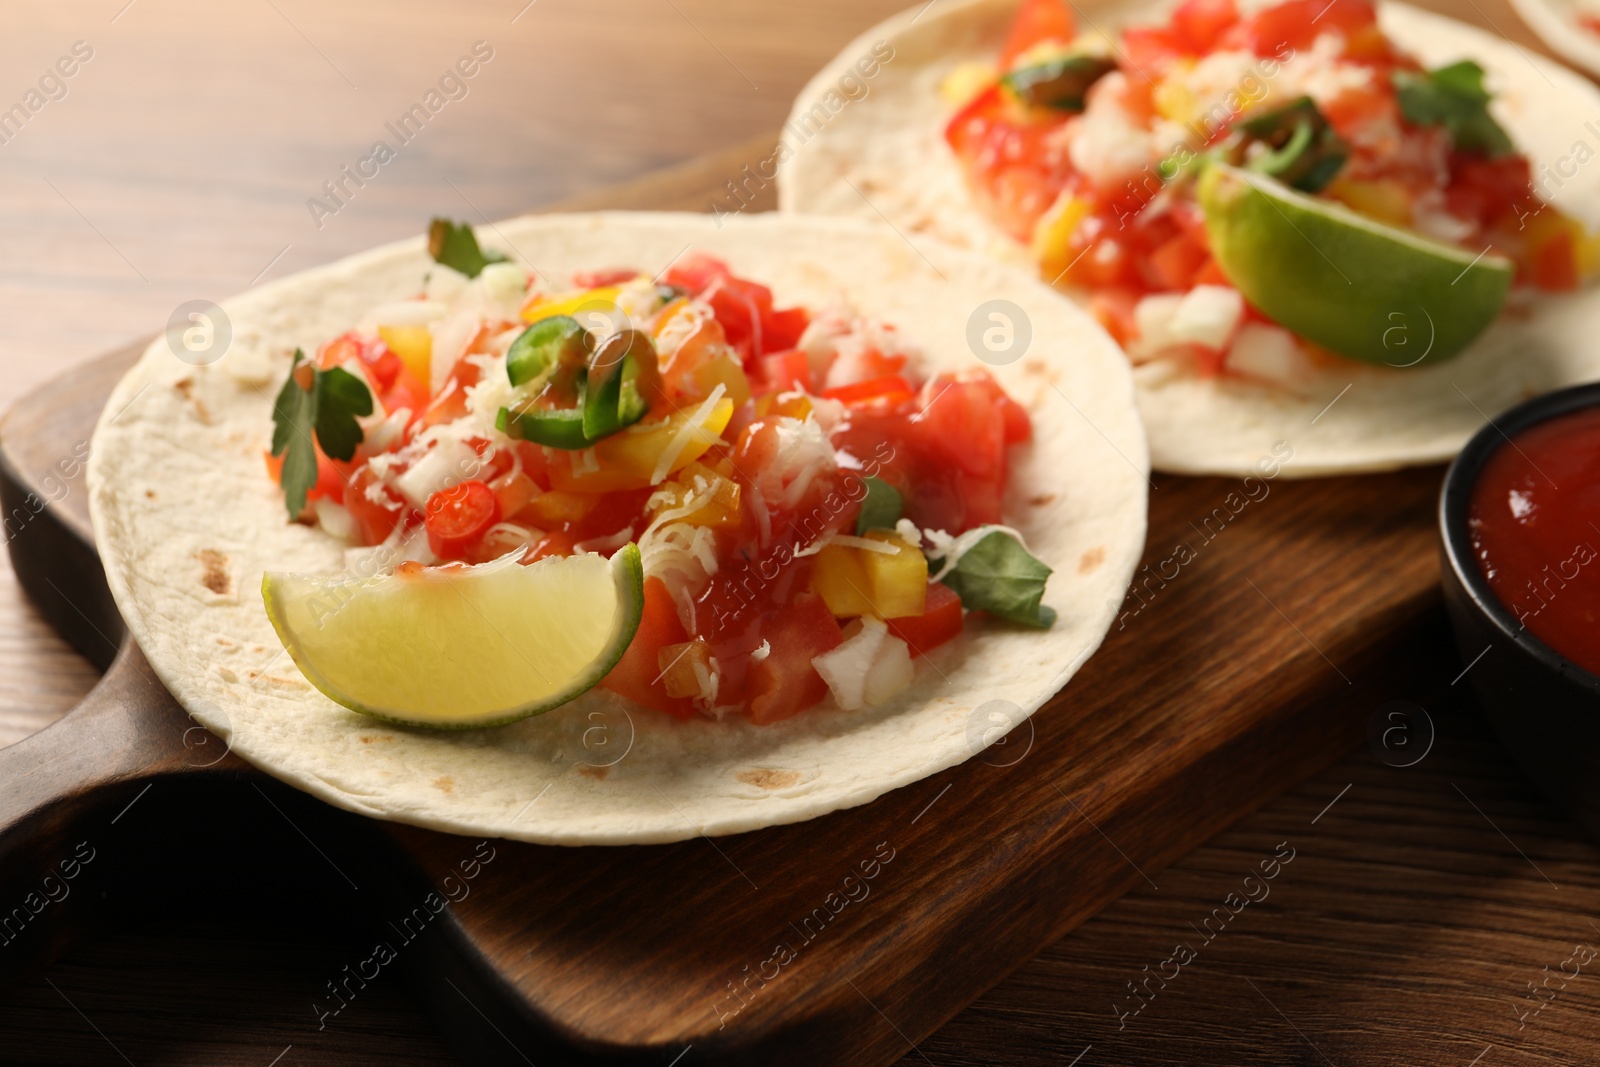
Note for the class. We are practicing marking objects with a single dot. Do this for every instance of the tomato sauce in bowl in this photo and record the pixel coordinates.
(1519, 525)
(1534, 523)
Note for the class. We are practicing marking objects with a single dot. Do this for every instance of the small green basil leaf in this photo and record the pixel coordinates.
(880, 508)
(1001, 577)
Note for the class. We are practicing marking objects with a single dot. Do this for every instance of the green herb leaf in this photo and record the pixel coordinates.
(294, 417)
(1303, 151)
(880, 508)
(999, 576)
(456, 246)
(1452, 97)
(341, 397)
(326, 412)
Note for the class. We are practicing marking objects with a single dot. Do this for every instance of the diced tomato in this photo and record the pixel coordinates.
(409, 392)
(1113, 308)
(1209, 361)
(457, 518)
(785, 682)
(892, 389)
(742, 308)
(374, 521)
(1298, 23)
(785, 327)
(1038, 21)
(339, 350)
(784, 372)
(451, 402)
(637, 674)
(1554, 262)
(1211, 274)
(1152, 49)
(695, 272)
(597, 279)
(939, 622)
(1016, 168)
(1176, 262)
(554, 543)
(961, 421)
(1199, 23)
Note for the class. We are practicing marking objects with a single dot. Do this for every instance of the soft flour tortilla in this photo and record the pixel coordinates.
(187, 520)
(1556, 23)
(885, 153)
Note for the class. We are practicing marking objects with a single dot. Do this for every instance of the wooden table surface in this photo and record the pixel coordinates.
(1423, 905)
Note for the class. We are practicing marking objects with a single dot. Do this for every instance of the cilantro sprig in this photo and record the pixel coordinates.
(320, 404)
(1453, 97)
(456, 246)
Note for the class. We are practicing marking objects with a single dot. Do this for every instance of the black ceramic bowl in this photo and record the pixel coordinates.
(1545, 709)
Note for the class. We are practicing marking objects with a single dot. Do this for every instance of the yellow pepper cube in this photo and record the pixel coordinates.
(840, 579)
(898, 580)
(862, 581)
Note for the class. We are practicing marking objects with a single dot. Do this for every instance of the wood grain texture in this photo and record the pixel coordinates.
(1415, 919)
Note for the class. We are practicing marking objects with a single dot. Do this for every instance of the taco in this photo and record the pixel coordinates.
(1359, 231)
(624, 528)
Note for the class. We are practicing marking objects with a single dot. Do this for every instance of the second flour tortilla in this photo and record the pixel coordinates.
(884, 153)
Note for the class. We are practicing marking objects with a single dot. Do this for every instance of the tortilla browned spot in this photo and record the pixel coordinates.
(767, 778)
(1091, 559)
(214, 571)
(444, 785)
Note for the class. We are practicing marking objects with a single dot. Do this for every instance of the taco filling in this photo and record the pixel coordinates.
(1258, 195)
(810, 514)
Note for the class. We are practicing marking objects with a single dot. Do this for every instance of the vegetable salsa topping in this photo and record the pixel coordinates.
(811, 513)
(1090, 154)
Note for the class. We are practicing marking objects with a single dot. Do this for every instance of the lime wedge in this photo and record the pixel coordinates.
(458, 647)
(1358, 287)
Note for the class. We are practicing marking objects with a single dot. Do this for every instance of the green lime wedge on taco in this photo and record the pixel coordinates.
(1360, 288)
(458, 647)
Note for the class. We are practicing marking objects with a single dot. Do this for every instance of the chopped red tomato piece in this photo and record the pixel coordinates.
(1298, 23)
(695, 272)
(892, 389)
(457, 518)
(637, 674)
(1038, 21)
(939, 622)
(785, 682)
(375, 519)
(596, 279)
(1554, 265)
(1198, 24)
(785, 372)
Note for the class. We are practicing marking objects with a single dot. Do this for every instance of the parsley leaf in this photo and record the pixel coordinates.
(1452, 97)
(1001, 577)
(328, 409)
(456, 246)
(1302, 149)
(341, 396)
(880, 508)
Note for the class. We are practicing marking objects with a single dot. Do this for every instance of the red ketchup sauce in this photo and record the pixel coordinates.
(1534, 519)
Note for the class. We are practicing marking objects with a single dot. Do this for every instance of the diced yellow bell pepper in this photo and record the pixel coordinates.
(720, 502)
(556, 508)
(1382, 198)
(962, 85)
(788, 405)
(1172, 99)
(627, 460)
(1052, 236)
(548, 305)
(723, 369)
(414, 346)
(861, 581)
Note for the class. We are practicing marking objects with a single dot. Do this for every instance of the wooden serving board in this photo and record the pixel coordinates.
(1272, 618)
